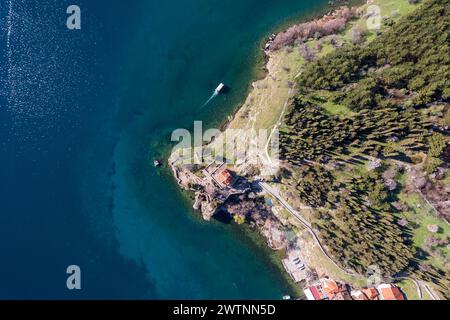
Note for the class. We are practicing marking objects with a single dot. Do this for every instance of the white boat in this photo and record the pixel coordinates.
(219, 88)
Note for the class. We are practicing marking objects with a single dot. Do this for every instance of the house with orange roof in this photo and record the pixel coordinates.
(330, 287)
(371, 293)
(390, 292)
(327, 289)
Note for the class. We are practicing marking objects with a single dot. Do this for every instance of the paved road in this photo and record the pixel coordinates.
(429, 290)
(302, 220)
(419, 288)
(416, 283)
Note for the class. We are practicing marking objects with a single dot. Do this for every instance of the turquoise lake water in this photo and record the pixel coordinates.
(84, 113)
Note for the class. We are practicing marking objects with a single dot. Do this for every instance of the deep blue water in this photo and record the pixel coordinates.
(83, 113)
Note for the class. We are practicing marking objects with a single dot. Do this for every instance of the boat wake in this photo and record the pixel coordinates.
(217, 91)
(209, 100)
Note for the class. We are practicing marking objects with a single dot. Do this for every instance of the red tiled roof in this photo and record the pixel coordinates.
(225, 177)
(371, 293)
(390, 292)
(330, 286)
(316, 293)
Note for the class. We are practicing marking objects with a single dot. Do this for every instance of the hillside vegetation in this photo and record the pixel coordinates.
(367, 131)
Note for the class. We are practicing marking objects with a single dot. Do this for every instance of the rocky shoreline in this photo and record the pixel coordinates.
(209, 199)
(247, 192)
(243, 201)
(239, 202)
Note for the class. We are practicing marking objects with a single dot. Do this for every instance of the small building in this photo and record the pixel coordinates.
(390, 292)
(342, 295)
(371, 293)
(359, 295)
(225, 177)
(335, 291)
(330, 287)
(314, 293)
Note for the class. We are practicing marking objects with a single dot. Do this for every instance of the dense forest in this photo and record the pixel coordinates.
(386, 89)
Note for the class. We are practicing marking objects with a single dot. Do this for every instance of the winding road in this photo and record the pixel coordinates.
(429, 290)
(275, 193)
